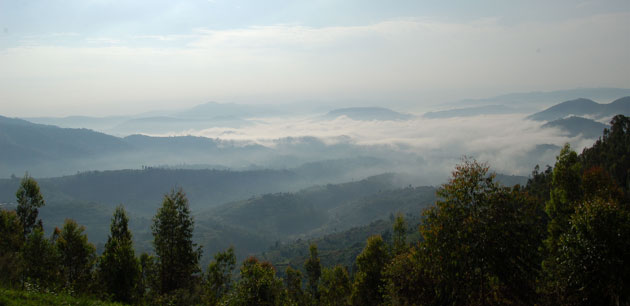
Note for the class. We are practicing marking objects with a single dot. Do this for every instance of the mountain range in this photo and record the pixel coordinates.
(584, 108)
(368, 114)
(471, 111)
(538, 99)
(575, 126)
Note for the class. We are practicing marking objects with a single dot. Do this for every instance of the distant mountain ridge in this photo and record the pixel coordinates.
(584, 108)
(470, 111)
(214, 110)
(578, 125)
(368, 114)
(543, 98)
(21, 140)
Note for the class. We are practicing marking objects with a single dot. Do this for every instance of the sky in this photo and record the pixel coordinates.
(102, 57)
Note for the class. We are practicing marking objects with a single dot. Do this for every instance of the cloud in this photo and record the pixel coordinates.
(506, 141)
(395, 60)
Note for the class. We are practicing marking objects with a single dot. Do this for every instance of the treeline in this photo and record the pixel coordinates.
(562, 239)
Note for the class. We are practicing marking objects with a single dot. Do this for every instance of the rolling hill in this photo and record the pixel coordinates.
(470, 111)
(368, 114)
(574, 126)
(584, 108)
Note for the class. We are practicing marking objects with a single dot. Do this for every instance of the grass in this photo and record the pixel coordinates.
(10, 297)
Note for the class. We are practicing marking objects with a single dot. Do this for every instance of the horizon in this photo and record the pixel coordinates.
(111, 58)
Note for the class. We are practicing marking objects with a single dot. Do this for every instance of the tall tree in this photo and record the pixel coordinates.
(594, 256)
(148, 283)
(539, 184)
(566, 192)
(219, 276)
(40, 259)
(335, 287)
(11, 242)
(258, 285)
(369, 284)
(76, 254)
(400, 235)
(565, 195)
(118, 267)
(481, 240)
(177, 255)
(409, 281)
(612, 152)
(313, 271)
(29, 199)
(294, 286)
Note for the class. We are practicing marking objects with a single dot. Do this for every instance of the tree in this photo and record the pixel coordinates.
(29, 199)
(481, 240)
(294, 286)
(612, 153)
(11, 242)
(409, 281)
(335, 288)
(369, 284)
(177, 255)
(598, 184)
(219, 276)
(539, 184)
(258, 285)
(40, 259)
(594, 256)
(565, 194)
(76, 254)
(148, 282)
(313, 271)
(118, 267)
(400, 235)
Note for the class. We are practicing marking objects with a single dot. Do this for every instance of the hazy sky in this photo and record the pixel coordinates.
(100, 57)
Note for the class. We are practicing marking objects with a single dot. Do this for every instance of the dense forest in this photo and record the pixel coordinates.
(563, 238)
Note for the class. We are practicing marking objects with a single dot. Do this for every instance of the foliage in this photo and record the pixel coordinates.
(564, 194)
(40, 260)
(335, 287)
(400, 235)
(219, 276)
(481, 241)
(11, 241)
(76, 256)
(29, 199)
(598, 184)
(313, 271)
(177, 255)
(148, 284)
(118, 267)
(9, 297)
(294, 286)
(258, 285)
(409, 281)
(369, 284)
(612, 152)
(539, 184)
(562, 239)
(594, 256)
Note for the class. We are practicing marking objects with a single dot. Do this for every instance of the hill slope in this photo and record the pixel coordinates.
(578, 125)
(368, 114)
(470, 111)
(583, 108)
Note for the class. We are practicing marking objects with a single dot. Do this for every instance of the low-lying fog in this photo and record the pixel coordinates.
(426, 147)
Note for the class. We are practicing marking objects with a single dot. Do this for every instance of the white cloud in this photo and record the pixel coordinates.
(506, 141)
(395, 60)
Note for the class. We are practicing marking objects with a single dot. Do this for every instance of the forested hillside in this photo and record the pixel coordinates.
(563, 238)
